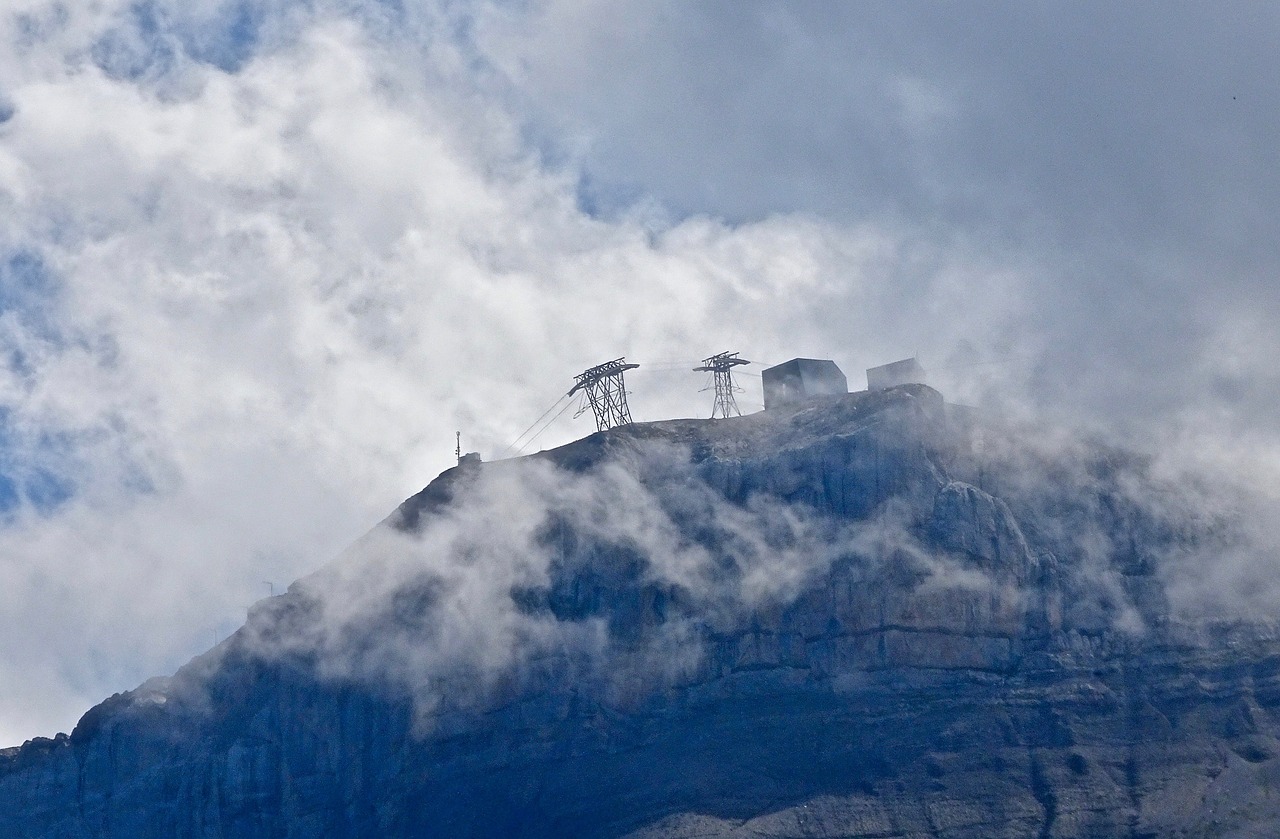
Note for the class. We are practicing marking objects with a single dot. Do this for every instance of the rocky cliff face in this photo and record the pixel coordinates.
(872, 616)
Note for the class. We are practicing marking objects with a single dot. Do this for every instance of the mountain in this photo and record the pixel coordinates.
(873, 615)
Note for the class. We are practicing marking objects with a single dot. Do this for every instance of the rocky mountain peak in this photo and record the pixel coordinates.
(867, 615)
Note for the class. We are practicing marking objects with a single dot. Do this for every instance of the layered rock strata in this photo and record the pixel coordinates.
(868, 616)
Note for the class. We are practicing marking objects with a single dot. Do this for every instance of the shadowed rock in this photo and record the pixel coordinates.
(869, 615)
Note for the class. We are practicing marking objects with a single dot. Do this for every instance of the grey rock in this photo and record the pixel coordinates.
(969, 638)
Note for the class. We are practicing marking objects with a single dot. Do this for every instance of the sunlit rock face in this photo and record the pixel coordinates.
(867, 615)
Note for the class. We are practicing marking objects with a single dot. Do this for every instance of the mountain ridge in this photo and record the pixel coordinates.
(873, 615)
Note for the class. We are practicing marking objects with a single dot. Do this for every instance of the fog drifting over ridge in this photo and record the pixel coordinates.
(493, 591)
(259, 264)
(669, 556)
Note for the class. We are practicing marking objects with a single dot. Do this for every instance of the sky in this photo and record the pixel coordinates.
(260, 261)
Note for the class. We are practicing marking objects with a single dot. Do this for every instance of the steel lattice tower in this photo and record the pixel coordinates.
(721, 367)
(606, 393)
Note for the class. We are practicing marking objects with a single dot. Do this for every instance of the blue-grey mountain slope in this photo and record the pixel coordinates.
(869, 616)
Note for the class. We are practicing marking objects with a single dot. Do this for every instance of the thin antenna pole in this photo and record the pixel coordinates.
(457, 450)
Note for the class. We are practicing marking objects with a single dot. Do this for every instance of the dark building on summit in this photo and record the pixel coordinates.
(800, 379)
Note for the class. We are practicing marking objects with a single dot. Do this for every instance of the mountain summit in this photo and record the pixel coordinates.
(871, 615)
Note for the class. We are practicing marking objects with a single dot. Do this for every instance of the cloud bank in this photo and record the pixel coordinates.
(257, 263)
(623, 576)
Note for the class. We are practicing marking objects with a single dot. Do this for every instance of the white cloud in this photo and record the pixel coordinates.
(277, 284)
(277, 292)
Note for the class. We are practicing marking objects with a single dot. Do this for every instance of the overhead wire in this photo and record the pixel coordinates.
(550, 423)
(532, 425)
(516, 446)
(666, 368)
(1006, 360)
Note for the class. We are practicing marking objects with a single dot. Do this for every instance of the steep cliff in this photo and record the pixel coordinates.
(873, 615)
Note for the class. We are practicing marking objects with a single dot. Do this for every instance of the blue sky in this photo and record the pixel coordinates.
(258, 262)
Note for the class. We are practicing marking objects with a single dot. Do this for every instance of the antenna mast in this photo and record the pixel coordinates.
(457, 450)
(606, 393)
(721, 367)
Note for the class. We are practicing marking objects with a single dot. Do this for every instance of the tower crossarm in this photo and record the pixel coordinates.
(606, 393)
(720, 362)
(591, 375)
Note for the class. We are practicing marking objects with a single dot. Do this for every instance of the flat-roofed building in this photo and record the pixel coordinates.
(800, 379)
(906, 371)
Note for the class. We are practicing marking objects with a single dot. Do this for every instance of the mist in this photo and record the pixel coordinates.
(258, 266)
